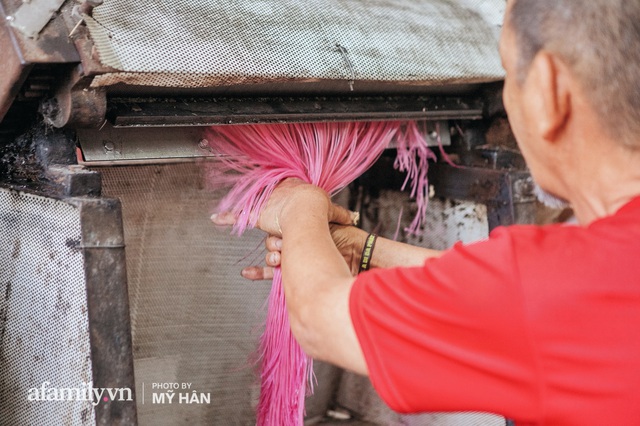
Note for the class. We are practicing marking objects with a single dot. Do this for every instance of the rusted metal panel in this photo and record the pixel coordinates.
(14, 69)
(508, 194)
(20, 53)
(52, 44)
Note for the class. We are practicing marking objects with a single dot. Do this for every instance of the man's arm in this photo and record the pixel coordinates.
(386, 254)
(350, 242)
(317, 283)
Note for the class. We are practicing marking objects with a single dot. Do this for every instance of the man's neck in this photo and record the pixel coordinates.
(606, 178)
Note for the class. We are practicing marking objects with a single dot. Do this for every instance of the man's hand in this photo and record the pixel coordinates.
(286, 198)
(349, 240)
(272, 259)
(316, 279)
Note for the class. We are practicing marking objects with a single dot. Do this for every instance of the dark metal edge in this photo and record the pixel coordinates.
(214, 111)
(108, 306)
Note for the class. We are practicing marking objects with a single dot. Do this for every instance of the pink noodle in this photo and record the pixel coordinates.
(443, 153)
(329, 155)
(413, 158)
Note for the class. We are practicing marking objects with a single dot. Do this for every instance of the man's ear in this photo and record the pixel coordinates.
(549, 92)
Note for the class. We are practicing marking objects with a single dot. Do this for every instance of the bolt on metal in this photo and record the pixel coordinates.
(203, 144)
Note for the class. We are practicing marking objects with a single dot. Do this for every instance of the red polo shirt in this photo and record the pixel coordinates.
(539, 324)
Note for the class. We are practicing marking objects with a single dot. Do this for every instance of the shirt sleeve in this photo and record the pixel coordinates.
(451, 335)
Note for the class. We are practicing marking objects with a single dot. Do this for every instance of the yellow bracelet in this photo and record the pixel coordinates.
(365, 259)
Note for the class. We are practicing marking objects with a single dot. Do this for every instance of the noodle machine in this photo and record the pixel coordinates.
(120, 304)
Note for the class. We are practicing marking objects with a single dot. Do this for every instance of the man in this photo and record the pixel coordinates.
(538, 324)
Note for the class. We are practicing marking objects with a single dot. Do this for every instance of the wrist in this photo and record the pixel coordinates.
(367, 253)
(357, 241)
(308, 205)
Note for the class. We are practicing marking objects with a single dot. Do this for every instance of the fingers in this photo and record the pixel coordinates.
(273, 258)
(349, 240)
(256, 273)
(342, 216)
(273, 243)
(223, 219)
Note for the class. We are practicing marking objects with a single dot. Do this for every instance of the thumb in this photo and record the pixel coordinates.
(342, 216)
(223, 219)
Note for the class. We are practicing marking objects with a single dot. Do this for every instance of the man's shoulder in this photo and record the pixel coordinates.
(573, 260)
(618, 231)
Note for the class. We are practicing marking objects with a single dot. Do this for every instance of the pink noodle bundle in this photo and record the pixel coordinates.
(329, 155)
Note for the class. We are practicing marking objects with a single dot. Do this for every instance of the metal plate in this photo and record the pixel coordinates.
(44, 327)
(129, 145)
(118, 146)
(213, 111)
(64, 321)
(32, 16)
(203, 43)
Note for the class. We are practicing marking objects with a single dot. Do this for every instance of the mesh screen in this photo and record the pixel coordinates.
(194, 319)
(200, 43)
(44, 329)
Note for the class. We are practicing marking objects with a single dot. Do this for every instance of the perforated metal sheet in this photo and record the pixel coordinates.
(200, 43)
(44, 328)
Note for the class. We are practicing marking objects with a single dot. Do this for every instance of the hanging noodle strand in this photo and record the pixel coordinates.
(413, 158)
